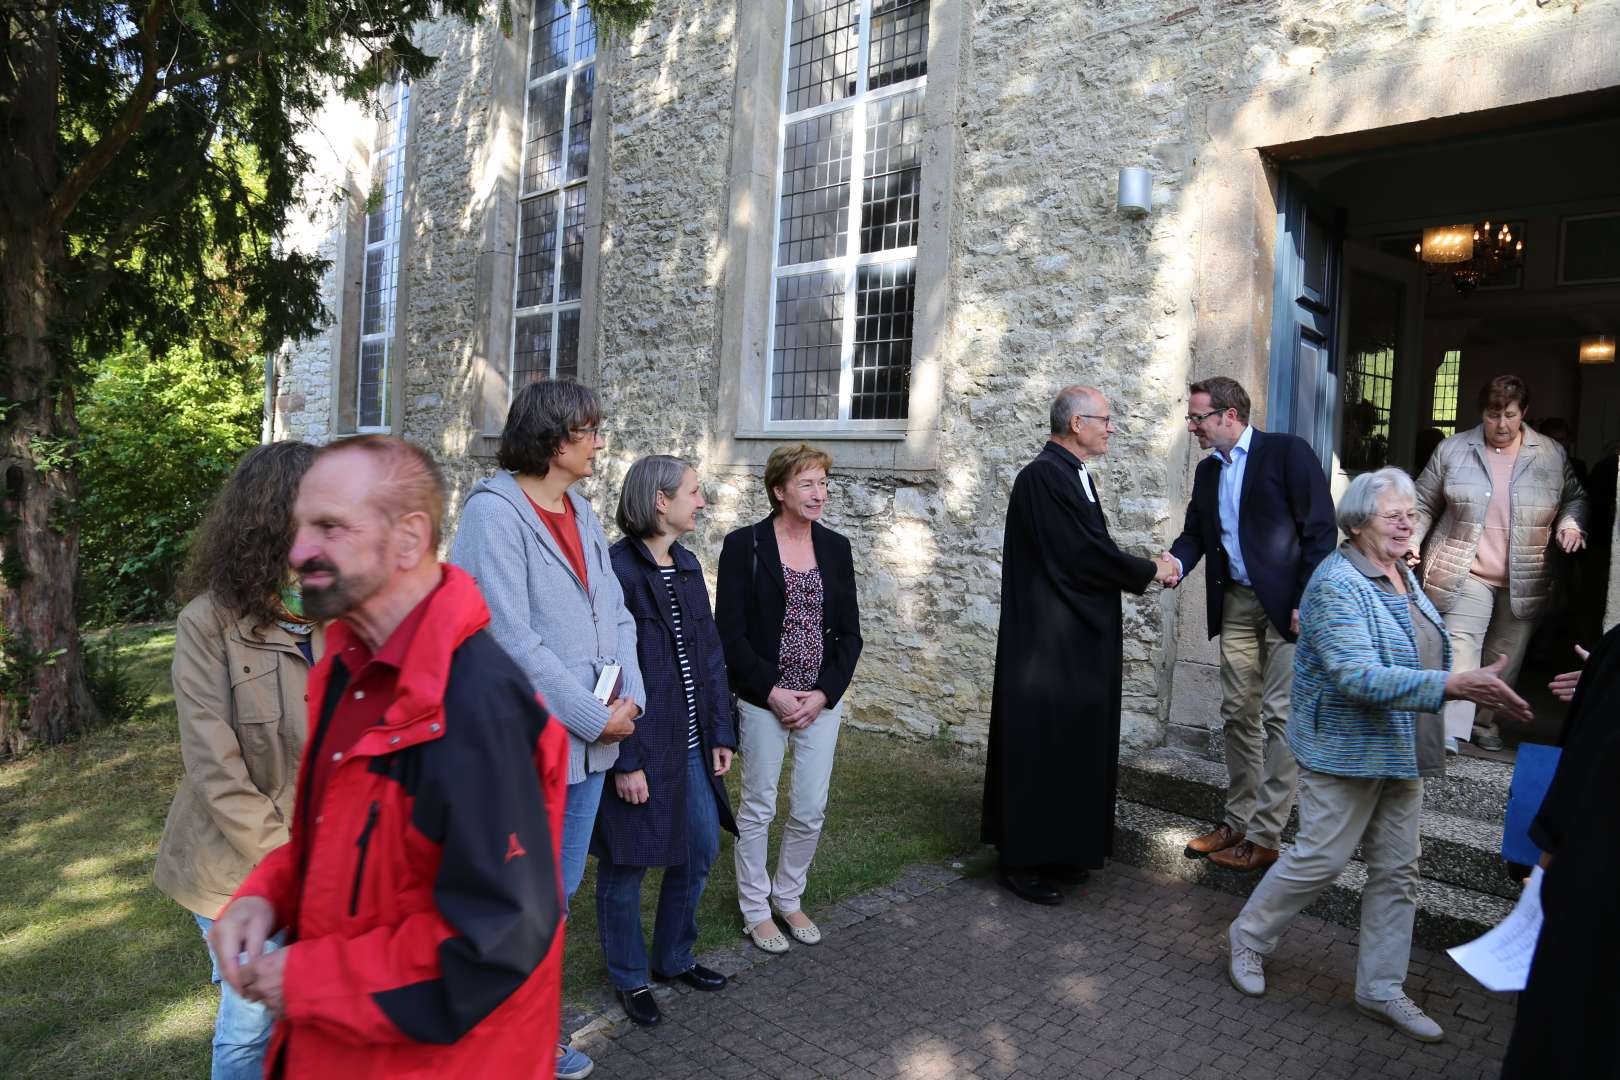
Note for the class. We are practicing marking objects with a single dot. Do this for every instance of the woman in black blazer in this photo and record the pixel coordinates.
(791, 627)
(665, 802)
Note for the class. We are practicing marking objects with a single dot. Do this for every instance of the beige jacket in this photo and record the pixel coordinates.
(241, 699)
(1452, 495)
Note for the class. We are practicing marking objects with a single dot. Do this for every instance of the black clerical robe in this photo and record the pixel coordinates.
(1568, 1022)
(1054, 714)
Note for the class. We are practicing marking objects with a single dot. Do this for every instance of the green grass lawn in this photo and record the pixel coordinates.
(101, 975)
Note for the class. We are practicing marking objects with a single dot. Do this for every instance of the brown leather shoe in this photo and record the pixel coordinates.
(1222, 838)
(1245, 857)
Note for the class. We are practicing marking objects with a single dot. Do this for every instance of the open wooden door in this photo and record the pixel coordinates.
(1303, 385)
(1379, 379)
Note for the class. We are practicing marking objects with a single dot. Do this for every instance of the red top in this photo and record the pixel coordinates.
(565, 527)
(367, 695)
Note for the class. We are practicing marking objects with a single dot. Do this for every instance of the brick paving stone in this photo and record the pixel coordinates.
(938, 976)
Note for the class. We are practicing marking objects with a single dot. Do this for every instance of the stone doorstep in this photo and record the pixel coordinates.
(600, 1010)
(1447, 915)
(1471, 787)
(1458, 849)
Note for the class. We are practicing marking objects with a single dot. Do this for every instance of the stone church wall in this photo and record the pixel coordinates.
(1049, 283)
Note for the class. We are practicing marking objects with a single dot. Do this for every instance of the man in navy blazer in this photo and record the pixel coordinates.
(1262, 512)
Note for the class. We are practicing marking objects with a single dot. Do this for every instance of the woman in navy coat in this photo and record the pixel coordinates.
(667, 802)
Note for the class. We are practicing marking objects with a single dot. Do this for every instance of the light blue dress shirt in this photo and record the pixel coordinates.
(1231, 492)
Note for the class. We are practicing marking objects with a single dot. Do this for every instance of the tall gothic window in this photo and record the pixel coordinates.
(1444, 413)
(551, 214)
(379, 284)
(844, 270)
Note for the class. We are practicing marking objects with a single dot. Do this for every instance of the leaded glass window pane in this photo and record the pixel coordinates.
(568, 343)
(537, 251)
(543, 164)
(372, 391)
(885, 295)
(893, 172)
(899, 47)
(815, 189)
(379, 283)
(573, 243)
(809, 341)
(823, 49)
(548, 48)
(579, 124)
(531, 349)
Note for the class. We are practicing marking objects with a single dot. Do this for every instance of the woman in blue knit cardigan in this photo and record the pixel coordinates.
(1370, 675)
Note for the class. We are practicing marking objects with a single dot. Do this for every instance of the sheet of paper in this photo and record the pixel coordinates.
(1501, 959)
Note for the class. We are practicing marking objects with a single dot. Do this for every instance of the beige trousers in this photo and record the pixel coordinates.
(1257, 672)
(1335, 814)
(1482, 627)
(761, 744)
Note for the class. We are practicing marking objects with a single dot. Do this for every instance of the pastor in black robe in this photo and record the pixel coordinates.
(1568, 1024)
(1054, 714)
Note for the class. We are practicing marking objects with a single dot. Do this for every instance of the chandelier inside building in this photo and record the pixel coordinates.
(1466, 254)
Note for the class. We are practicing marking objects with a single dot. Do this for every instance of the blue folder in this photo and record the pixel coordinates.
(1532, 776)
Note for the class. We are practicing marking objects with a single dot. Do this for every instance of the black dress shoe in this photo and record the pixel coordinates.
(697, 977)
(1029, 885)
(1064, 874)
(640, 1007)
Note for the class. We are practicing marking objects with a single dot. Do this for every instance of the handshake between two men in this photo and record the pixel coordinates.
(1167, 572)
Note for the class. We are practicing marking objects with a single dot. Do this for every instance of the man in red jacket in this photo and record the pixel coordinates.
(420, 886)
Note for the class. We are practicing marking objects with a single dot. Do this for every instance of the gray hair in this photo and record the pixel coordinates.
(1070, 401)
(1360, 502)
(638, 498)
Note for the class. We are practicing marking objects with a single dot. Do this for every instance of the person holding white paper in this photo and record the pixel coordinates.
(1566, 1022)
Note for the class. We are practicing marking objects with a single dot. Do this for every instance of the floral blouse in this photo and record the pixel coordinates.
(800, 660)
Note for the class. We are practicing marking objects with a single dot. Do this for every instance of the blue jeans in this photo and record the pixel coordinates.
(242, 1028)
(579, 821)
(618, 894)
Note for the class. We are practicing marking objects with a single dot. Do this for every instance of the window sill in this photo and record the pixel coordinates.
(824, 435)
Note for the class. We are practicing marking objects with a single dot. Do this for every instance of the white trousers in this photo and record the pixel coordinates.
(1482, 627)
(762, 743)
(1335, 814)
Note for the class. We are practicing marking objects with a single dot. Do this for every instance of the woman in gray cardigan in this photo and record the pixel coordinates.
(555, 604)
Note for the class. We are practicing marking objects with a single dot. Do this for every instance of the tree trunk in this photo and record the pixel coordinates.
(43, 694)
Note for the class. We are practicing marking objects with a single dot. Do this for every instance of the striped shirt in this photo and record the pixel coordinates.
(668, 574)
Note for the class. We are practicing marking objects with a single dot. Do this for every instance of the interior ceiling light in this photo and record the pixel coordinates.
(1466, 254)
(1598, 349)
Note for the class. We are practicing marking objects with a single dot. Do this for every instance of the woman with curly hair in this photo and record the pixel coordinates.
(242, 654)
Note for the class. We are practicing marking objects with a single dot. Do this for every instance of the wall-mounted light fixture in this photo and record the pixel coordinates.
(1598, 349)
(1135, 190)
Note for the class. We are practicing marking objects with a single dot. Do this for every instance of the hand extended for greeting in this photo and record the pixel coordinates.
(1166, 571)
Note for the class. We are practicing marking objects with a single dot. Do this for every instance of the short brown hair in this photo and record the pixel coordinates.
(411, 480)
(543, 417)
(1503, 391)
(786, 462)
(1223, 394)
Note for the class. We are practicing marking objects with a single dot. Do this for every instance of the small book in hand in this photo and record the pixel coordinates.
(609, 683)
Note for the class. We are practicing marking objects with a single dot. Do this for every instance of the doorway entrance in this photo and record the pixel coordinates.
(1377, 353)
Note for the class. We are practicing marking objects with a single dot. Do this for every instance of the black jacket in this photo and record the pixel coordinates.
(1285, 523)
(654, 833)
(751, 602)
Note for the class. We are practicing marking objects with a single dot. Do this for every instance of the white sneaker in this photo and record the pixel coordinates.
(1403, 1015)
(1246, 968)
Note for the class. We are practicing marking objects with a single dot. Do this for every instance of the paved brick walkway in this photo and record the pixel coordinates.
(1126, 980)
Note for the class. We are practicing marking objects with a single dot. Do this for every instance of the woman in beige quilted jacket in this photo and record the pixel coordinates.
(242, 654)
(1491, 504)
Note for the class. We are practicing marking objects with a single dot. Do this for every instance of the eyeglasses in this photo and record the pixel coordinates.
(1396, 517)
(1093, 416)
(1199, 418)
(598, 432)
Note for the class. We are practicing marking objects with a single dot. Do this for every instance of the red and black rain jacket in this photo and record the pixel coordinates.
(426, 909)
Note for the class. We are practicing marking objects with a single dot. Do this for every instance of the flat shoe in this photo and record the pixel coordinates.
(776, 944)
(640, 1006)
(804, 935)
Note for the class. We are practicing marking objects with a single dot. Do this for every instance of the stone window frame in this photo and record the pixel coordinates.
(350, 307)
(495, 283)
(743, 435)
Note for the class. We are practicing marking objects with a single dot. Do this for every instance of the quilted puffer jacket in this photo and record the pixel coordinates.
(1452, 495)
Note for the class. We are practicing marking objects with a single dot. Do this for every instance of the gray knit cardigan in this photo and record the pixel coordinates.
(560, 632)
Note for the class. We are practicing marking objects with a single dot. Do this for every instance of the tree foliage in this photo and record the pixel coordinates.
(124, 217)
(146, 485)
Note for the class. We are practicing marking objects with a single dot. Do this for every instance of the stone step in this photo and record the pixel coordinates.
(1458, 848)
(1447, 914)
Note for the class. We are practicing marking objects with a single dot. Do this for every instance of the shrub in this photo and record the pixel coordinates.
(161, 433)
(119, 693)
